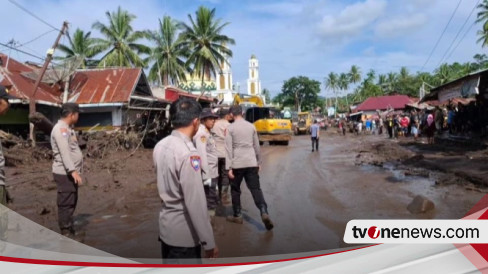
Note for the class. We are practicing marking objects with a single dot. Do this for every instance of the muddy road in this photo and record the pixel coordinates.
(311, 196)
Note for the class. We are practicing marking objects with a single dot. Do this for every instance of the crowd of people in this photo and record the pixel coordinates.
(457, 119)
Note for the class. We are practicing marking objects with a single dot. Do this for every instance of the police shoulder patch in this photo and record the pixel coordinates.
(195, 162)
(64, 132)
(203, 139)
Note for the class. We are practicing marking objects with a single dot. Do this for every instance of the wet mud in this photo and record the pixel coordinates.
(311, 196)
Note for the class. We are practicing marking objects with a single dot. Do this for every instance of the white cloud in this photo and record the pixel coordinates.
(400, 25)
(352, 19)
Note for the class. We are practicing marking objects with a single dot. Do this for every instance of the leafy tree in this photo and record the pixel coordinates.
(121, 40)
(283, 100)
(267, 95)
(302, 90)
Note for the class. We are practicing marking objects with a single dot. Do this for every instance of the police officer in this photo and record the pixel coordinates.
(184, 225)
(67, 166)
(315, 133)
(4, 106)
(206, 147)
(220, 131)
(243, 162)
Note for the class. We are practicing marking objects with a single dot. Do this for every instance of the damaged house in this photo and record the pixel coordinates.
(109, 98)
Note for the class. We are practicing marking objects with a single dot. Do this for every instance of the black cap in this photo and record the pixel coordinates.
(207, 113)
(68, 108)
(4, 94)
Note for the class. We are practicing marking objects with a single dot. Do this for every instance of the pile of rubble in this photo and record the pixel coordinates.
(18, 151)
(100, 144)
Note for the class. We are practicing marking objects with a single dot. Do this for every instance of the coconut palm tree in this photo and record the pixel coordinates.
(355, 74)
(80, 45)
(382, 81)
(332, 83)
(121, 40)
(168, 55)
(443, 74)
(482, 16)
(391, 80)
(404, 74)
(206, 44)
(371, 75)
(483, 36)
(344, 84)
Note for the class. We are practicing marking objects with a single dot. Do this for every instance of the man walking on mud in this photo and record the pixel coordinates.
(315, 133)
(243, 161)
(67, 166)
(220, 131)
(205, 144)
(184, 224)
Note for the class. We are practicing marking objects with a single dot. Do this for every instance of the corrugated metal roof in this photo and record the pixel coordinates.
(172, 93)
(385, 102)
(23, 87)
(112, 85)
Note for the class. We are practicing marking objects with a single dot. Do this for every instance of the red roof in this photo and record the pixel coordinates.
(385, 102)
(23, 87)
(112, 85)
(173, 93)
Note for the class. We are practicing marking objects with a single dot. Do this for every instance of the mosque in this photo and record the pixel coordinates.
(223, 87)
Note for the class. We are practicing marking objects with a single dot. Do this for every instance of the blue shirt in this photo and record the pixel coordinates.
(314, 129)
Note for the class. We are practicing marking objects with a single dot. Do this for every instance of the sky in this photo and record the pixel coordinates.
(290, 38)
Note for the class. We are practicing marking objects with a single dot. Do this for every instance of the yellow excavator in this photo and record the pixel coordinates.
(267, 120)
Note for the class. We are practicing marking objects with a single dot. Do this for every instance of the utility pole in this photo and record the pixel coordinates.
(32, 101)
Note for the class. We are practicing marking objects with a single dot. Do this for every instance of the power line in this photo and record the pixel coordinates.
(38, 37)
(33, 15)
(459, 32)
(462, 38)
(21, 51)
(442, 35)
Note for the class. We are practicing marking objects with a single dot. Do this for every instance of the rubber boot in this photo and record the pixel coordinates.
(265, 218)
(237, 217)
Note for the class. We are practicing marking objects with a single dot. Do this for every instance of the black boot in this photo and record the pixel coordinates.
(237, 217)
(265, 218)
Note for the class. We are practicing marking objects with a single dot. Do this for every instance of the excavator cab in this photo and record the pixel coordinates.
(267, 120)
